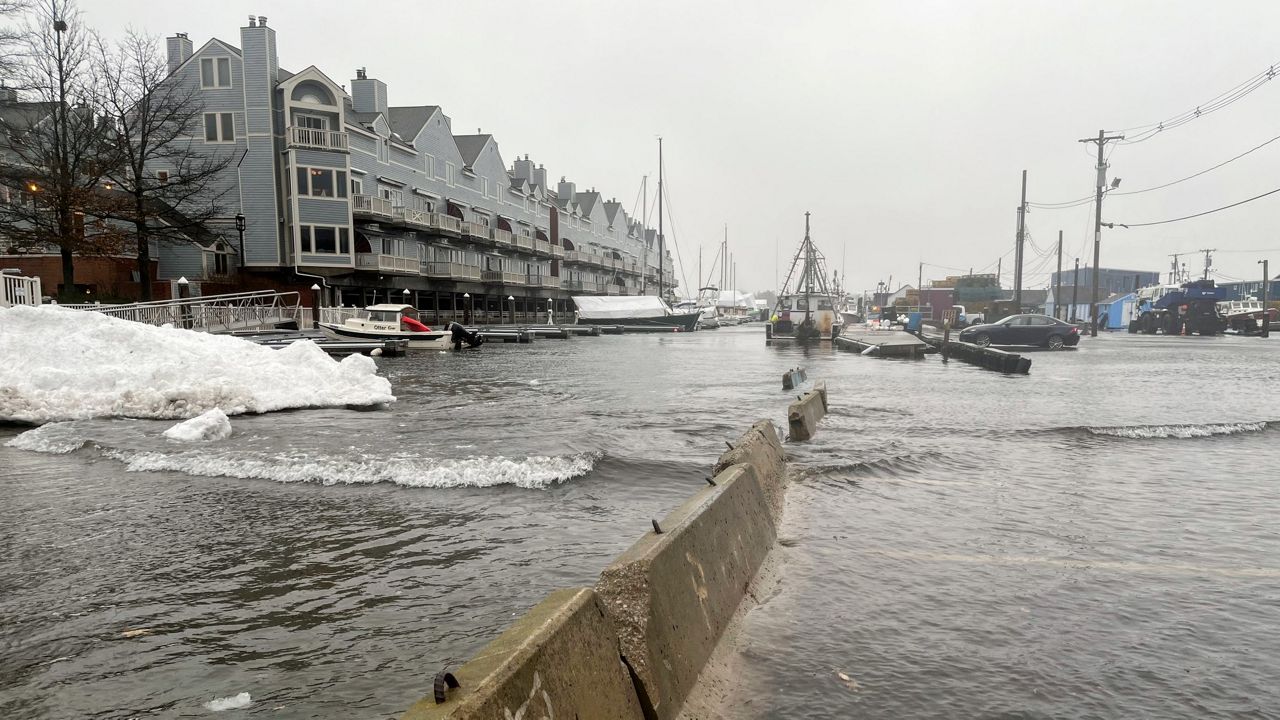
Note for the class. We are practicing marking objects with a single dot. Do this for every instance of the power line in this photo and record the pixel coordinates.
(1143, 133)
(1199, 214)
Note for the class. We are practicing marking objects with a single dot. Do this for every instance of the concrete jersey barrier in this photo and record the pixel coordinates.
(560, 660)
(671, 595)
(803, 414)
(760, 448)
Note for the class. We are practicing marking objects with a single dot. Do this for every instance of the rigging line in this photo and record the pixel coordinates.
(684, 278)
(1199, 214)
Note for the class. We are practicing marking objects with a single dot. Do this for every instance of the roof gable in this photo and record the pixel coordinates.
(470, 146)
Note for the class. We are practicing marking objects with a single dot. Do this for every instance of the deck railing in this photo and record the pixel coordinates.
(369, 205)
(446, 222)
(387, 263)
(317, 139)
(505, 278)
(453, 271)
(502, 237)
(524, 243)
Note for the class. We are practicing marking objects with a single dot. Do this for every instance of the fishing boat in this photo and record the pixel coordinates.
(634, 311)
(1246, 317)
(806, 309)
(400, 322)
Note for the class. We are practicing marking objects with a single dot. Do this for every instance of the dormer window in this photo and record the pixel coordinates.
(215, 72)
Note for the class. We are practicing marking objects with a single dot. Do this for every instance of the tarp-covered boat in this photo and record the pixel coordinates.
(632, 311)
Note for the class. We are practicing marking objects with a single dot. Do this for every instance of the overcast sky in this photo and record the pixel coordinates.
(903, 127)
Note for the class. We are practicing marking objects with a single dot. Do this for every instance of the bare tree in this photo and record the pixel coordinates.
(58, 152)
(10, 40)
(155, 125)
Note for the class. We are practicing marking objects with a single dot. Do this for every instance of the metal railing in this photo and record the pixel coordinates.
(567, 284)
(316, 138)
(454, 271)
(212, 313)
(19, 290)
(368, 205)
(387, 263)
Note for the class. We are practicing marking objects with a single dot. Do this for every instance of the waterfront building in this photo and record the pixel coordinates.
(1110, 280)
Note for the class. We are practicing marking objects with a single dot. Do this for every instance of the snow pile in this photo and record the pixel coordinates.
(62, 364)
(228, 703)
(212, 425)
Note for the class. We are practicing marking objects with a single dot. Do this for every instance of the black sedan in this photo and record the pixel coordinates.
(1039, 330)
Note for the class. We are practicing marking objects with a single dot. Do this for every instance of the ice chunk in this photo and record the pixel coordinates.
(228, 703)
(61, 364)
(211, 425)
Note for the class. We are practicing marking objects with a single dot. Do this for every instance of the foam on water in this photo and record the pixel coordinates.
(228, 703)
(1138, 432)
(534, 472)
(54, 439)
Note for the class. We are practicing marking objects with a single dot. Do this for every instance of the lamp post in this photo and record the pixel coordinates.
(466, 311)
(240, 229)
(406, 297)
(512, 299)
(184, 292)
(315, 303)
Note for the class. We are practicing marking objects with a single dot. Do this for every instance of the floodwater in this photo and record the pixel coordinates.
(1093, 540)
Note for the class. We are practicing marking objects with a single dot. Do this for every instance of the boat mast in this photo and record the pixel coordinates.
(661, 253)
(644, 227)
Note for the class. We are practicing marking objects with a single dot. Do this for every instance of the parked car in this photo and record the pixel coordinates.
(1039, 330)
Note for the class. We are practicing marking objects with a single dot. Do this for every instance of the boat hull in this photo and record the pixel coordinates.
(433, 340)
(687, 322)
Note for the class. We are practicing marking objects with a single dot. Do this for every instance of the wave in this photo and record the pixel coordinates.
(884, 466)
(1138, 432)
(57, 438)
(534, 472)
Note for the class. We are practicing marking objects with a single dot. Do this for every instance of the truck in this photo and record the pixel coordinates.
(1187, 309)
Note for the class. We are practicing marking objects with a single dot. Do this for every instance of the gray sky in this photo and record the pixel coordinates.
(903, 127)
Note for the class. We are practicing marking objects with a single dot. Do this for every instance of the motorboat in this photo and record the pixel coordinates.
(400, 322)
(1247, 317)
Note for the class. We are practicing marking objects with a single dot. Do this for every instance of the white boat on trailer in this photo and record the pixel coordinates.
(400, 322)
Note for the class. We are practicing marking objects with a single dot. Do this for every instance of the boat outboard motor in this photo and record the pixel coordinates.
(462, 335)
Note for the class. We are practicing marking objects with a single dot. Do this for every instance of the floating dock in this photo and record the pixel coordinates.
(278, 339)
(882, 343)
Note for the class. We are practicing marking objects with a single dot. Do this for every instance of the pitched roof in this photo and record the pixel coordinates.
(587, 202)
(611, 209)
(470, 146)
(20, 116)
(408, 120)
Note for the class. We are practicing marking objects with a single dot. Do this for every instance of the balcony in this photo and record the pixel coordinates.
(502, 278)
(387, 263)
(574, 285)
(550, 282)
(475, 230)
(542, 247)
(372, 208)
(451, 271)
(502, 237)
(449, 223)
(314, 139)
(524, 243)
(614, 289)
(411, 216)
(557, 251)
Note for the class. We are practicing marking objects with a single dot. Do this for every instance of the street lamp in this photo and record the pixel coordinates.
(240, 229)
(512, 300)
(466, 311)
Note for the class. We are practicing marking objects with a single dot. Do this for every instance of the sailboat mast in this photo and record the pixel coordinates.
(661, 250)
(644, 225)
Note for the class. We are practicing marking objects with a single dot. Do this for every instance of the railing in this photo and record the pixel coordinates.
(446, 222)
(474, 229)
(340, 315)
(550, 281)
(567, 284)
(504, 278)
(525, 243)
(386, 263)
(557, 251)
(614, 290)
(542, 247)
(454, 271)
(412, 216)
(502, 237)
(19, 290)
(212, 313)
(318, 139)
(368, 205)
(575, 256)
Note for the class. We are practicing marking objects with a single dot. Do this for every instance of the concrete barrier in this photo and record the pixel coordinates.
(671, 595)
(794, 378)
(803, 414)
(760, 448)
(560, 660)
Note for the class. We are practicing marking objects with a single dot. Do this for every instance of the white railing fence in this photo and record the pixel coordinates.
(212, 313)
(19, 290)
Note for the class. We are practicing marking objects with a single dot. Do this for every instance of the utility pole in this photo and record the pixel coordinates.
(1208, 261)
(1102, 141)
(1017, 254)
(1173, 268)
(999, 266)
(920, 286)
(1057, 287)
(1075, 291)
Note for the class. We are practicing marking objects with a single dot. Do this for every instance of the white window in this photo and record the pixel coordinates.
(393, 195)
(429, 162)
(384, 150)
(325, 240)
(314, 122)
(215, 72)
(322, 182)
(219, 128)
(357, 186)
(449, 177)
(162, 176)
